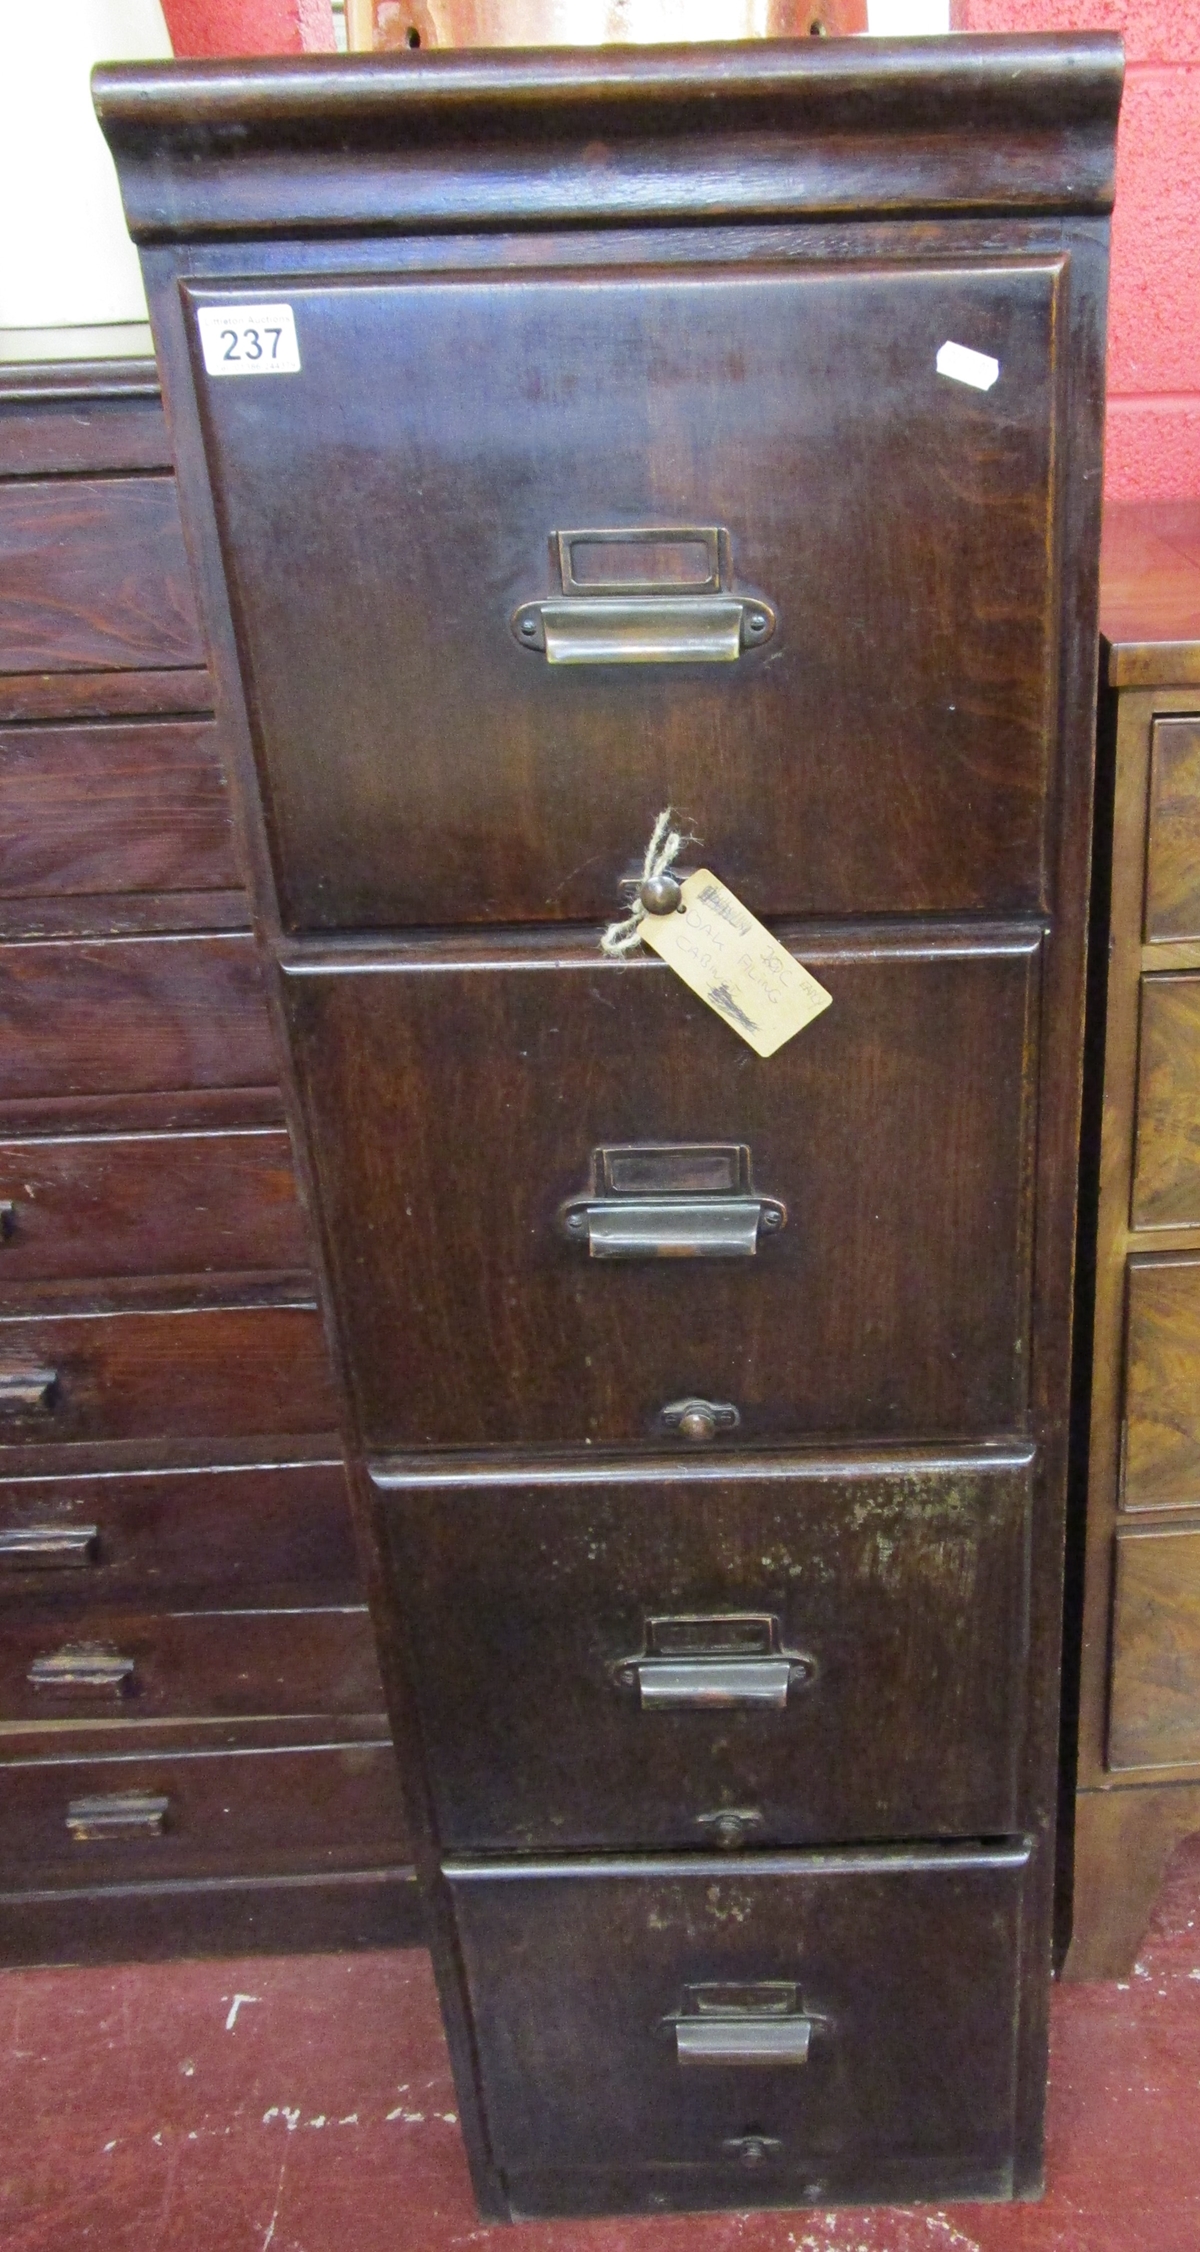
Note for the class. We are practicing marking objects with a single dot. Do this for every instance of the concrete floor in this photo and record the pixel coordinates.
(304, 2105)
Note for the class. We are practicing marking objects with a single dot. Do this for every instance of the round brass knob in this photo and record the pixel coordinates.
(698, 1424)
(729, 1832)
(660, 895)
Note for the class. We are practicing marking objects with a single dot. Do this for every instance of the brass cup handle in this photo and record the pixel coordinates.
(117, 1814)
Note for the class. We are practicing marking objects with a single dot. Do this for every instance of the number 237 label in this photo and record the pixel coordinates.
(249, 340)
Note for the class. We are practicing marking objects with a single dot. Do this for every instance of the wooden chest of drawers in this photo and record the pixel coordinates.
(193, 1751)
(1139, 1687)
(564, 438)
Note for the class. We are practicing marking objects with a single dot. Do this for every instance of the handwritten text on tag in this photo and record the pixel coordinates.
(726, 956)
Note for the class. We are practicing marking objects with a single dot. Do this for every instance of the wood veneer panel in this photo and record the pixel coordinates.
(63, 607)
(126, 1016)
(1162, 1384)
(1154, 1719)
(1173, 845)
(1166, 1178)
(134, 808)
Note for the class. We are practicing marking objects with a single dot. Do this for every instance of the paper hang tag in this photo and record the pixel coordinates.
(719, 948)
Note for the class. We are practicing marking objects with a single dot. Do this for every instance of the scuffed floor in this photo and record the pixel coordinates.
(305, 2105)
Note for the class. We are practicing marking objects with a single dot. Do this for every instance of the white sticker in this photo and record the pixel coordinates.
(249, 340)
(963, 365)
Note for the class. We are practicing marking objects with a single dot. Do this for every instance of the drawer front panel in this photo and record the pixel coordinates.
(424, 764)
(140, 1667)
(1173, 855)
(1154, 1718)
(904, 1966)
(1166, 1182)
(130, 1204)
(1161, 1453)
(133, 808)
(93, 574)
(221, 1536)
(114, 1016)
(457, 1103)
(226, 1813)
(579, 1653)
(211, 1372)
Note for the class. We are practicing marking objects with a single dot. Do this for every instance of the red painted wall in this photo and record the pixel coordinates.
(249, 27)
(1153, 446)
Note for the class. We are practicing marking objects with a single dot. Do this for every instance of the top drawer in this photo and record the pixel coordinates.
(518, 561)
(93, 575)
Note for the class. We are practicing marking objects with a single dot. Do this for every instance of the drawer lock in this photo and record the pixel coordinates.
(722, 1660)
(653, 1200)
(645, 596)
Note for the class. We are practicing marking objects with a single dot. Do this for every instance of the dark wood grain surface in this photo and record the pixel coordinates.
(62, 607)
(1155, 1716)
(1166, 1178)
(1173, 842)
(1161, 1459)
(134, 808)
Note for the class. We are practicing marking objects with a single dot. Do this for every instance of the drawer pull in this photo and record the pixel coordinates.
(671, 1201)
(731, 1827)
(752, 2150)
(83, 1665)
(123, 1814)
(699, 1421)
(28, 1391)
(25, 1547)
(649, 596)
(718, 1661)
(763, 2024)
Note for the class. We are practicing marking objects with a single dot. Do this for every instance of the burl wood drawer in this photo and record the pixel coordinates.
(816, 2021)
(1166, 1179)
(1160, 1465)
(146, 1204)
(119, 1015)
(478, 1296)
(1154, 1715)
(210, 1536)
(180, 1371)
(189, 1666)
(135, 807)
(93, 575)
(142, 1816)
(663, 1656)
(1173, 847)
(479, 665)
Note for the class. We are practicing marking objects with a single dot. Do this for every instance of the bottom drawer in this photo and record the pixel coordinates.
(1154, 1717)
(840, 2025)
(139, 1818)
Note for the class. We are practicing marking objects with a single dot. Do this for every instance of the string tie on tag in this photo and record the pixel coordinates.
(666, 844)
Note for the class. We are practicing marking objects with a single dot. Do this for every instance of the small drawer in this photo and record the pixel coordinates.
(1154, 1716)
(187, 1666)
(93, 575)
(838, 2027)
(1166, 1178)
(1160, 1456)
(149, 1204)
(121, 1015)
(516, 1140)
(483, 728)
(1173, 846)
(138, 1817)
(180, 1372)
(795, 1651)
(215, 1536)
(139, 807)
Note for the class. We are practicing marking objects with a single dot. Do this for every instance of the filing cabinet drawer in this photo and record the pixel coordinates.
(139, 807)
(222, 1535)
(181, 1666)
(1166, 1180)
(184, 1372)
(726, 434)
(114, 1016)
(63, 607)
(893, 1302)
(674, 2049)
(646, 1655)
(130, 1204)
(1161, 1445)
(1173, 847)
(143, 1817)
(1154, 1717)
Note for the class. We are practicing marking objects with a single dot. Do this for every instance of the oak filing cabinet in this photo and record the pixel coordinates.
(562, 438)
(1139, 1704)
(193, 1754)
